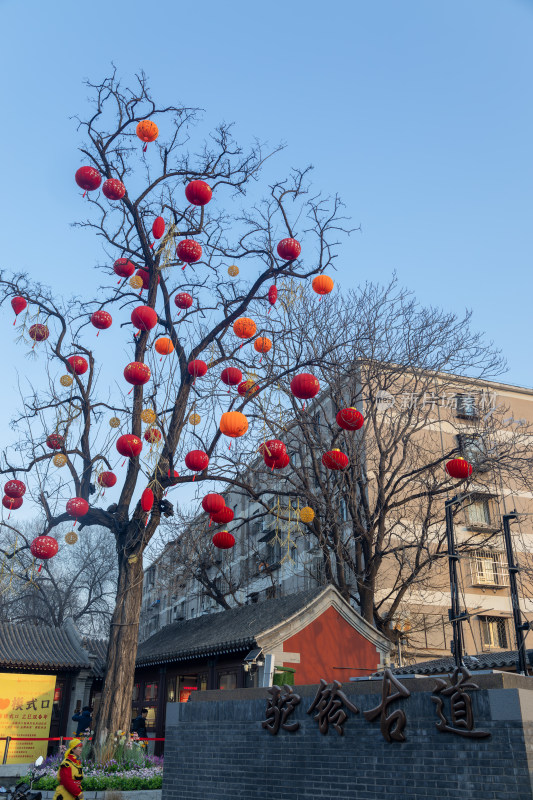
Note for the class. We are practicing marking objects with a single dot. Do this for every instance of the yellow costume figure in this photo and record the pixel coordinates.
(70, 774)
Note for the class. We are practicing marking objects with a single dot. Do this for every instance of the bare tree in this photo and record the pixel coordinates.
(80, 585)
(230, 235)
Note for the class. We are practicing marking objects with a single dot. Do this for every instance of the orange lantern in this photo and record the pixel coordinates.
(164, 346)
(262, 344)
(233, 424)
(244, 328)
(147, 131)
(322, 284)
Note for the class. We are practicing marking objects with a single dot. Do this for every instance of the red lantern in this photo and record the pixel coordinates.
(18, 304)
(114, 189)
(147, 500)
(55, 441)
(305, 386)
(247, 388)
(272, 295)
(277, 463)
(77, 507)
(158, 227)
(289, 249)
(101, 319)
(197, 368)
(137, 373)
(144, 318)
(223, 516)
(123, 267)
(224, 540)
(88, 178)
(15, 488)
(459, 468)
(198, 193)
(244, 328)
(189, 251)
(173, 477)
(196, 460)
(334, 459)
(107, 479)
(231, 376)
(44, 547)
(39, 333)
(183, 300)
(273, 448)
(129, 445)
(350, 419)
(77, 364)
(213, 503)
(152, 435)
(12, 502)
(147, 131)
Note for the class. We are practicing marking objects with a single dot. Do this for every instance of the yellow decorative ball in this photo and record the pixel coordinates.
(114, 422)
(59, 460)
(148, 415)
(66, 380)
(307, 514)
(135, 281)
(71, 537)
(194, 419)
(233, 271)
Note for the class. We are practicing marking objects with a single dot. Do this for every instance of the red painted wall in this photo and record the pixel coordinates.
(330, 642)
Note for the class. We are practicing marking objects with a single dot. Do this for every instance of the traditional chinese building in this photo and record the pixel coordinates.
(77, 664)
(297, 639)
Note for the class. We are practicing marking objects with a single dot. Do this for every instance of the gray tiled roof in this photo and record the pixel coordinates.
(97, 649)
(41, 647)
(224, 632)
(504, 659)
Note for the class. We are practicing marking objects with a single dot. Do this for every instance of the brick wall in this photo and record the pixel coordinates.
(216, 748)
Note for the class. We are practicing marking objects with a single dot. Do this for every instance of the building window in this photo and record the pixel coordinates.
(150, 692)
(493, 632)
(474, 449)
(489, 568)
(481, 512)
(466, 406)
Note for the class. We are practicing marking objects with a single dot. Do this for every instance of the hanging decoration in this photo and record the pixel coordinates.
(88, 179)
(189, 251)
(77, 364)
(144, 318)
(77, 507)
(233, 270)
(350, 419)
(223, 516)
(147, 500)
(262, 344)
(459, 468)
(289, 249)
(148, 416)
(277, 463)
(164, 346)
(144, 275)
(197, 368)
(272, 296)
(147, 131)
(71, 537)
(335, 459)
(106, 480)
(137, 373)
(224, 540)
(195, 419)
(173, 478)
(247, 388)
(114, 422)
(231, 376)
(196, 461)
(129, 445)
(123, 268)
(136, 282)
(114, 189)
(183, 300)
(244, 328)
(152, 435)
(322, 284)
(12, 503)
(38, 332)
(14, 488)
(55, 441)
(306, 515)
(59, 460)
(233, 424)
(158, 227)
(305, 386)
(44, 547)
(198, 193)
(66, 380)
(101, 319)
(212, 503)
(18, 304)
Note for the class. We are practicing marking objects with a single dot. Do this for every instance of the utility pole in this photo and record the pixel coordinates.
(519, 626)
(456, 618)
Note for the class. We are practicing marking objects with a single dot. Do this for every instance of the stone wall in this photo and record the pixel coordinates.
(217, 748)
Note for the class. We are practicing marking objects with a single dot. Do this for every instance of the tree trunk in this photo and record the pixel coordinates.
(114, 712)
